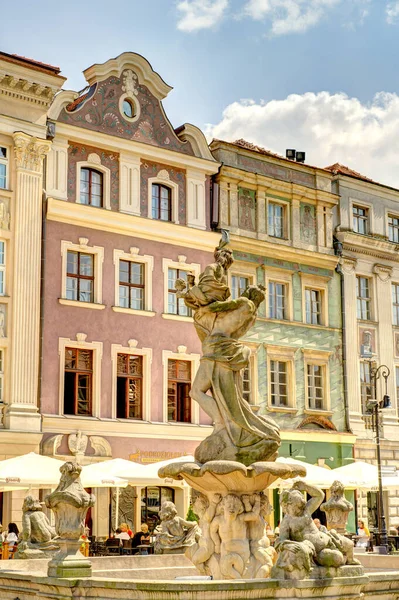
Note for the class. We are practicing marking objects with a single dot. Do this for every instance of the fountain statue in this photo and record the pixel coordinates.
(70, 503)
(38, 537)
(337, 508)
(174, 534)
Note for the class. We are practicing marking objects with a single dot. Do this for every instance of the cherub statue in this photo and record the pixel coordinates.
(174, 533)
(212, 285)
(204, 548)
(229, 534)
(37, 533)
(337, 507)
(330, 549)
(263, 555)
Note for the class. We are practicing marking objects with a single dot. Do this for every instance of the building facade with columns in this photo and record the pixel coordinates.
(367, 226)
(27, 88)
(279, 213)
(127, 213)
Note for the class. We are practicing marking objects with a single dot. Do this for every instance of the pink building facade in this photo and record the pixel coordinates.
(127, 212)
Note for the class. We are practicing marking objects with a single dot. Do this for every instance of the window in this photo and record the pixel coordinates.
(246, 383)
(179, 385)
(80, 276)
(3, 168)
(78, 375)
(365, 385)
(393, 228)
(129, 109)
(238, 285)
(2, 268)
(1, 375)
(161, 207)
(277, 300)
(363, 298)
(395, 303)
(360, 219)
(275, 216)
(313, 306)
(315, 385)
(152, 499)
(131, 284)
(279, 383)
(91, 187)
(176, 305)
(129, 394)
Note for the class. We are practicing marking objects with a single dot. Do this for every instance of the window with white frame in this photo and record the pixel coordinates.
(1, 375)
(3, 168)
(131, 285)
(2, 268)
(279, 383)
(82, 274)
(313, 306)
(176, 305)
(239, 284)
(360, 219)
(276, 219)
(277, 300)
(393, 228)
(395, 303)
(129, 386)
(161, 205)
(315, 387)
(363, 298)
(91, 187)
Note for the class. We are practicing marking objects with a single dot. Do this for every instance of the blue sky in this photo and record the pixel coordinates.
(280, 73)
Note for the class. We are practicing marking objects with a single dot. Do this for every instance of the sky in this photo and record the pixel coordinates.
(319, 76)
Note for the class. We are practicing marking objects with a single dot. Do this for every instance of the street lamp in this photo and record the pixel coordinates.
(374, 406)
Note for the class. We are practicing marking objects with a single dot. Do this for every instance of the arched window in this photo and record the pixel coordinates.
(161, 202)
(91, 187)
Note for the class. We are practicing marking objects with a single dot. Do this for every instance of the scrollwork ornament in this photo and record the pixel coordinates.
(348, 264)
(130, 81)
(29, 152)
(383, 272)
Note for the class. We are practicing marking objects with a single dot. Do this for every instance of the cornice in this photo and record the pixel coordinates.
(369, 246)
(129, 60)
(22, 83)
(130, 225)
(288, 253)
(371, 187)
(145, 151)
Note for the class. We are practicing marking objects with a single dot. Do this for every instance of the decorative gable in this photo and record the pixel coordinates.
(124, 100)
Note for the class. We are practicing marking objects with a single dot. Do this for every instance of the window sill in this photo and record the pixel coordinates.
(76, 416)
(321, 412)
(177, 318)
(133, 311)
(94, 305)
(282, 409)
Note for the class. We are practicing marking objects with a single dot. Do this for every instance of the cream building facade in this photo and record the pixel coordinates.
(27, 89)
(367, 226)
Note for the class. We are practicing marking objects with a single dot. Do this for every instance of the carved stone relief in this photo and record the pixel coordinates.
(3, 320)
(308, 223)
(4, 214)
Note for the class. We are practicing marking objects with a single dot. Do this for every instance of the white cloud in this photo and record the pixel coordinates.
(392, 12)
(200, 14)
(289, 16)
(328, 127)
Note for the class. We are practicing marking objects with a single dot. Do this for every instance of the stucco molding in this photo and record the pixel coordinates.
(193, 135)
(348, 264)
(94, 162)
(162, 179)
(148, 262)
(98, 253)
(29, 152)
(61, 100)
(383, 272)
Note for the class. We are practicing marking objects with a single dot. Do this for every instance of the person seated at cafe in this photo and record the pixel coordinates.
(319, 526)
(12, 537)
(364, 535)
(141, 537)
(125, 528)
(121, 535)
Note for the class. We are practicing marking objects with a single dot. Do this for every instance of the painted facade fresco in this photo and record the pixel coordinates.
(308, 223)
(150, 169)
(99, 110)
(246, 209)
(80, 153)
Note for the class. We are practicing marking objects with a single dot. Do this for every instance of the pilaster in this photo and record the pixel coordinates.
(233, 200)
(224, 220)
(57, 170)
(261, 211)
(130, 184)
(296, 223)
(22, 411)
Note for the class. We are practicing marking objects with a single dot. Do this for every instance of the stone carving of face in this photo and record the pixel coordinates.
(293, 503)
(224, 257)
(232, 505)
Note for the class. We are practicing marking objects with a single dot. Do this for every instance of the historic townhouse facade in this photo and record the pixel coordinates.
(367, 226)
(27, 88)
(279, 214)
(127, 212)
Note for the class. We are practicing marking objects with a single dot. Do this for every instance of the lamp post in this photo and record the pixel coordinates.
(374, 406)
